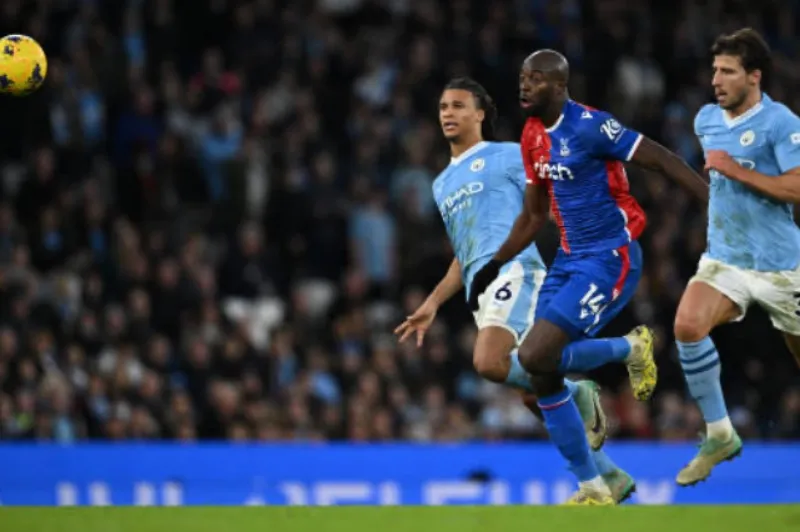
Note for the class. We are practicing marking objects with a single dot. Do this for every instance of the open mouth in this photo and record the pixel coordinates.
(524, 102)
(449, 126)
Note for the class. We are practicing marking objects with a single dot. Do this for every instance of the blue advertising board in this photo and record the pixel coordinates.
(328, 474)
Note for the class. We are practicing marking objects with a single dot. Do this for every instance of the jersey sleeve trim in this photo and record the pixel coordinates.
(634, 147)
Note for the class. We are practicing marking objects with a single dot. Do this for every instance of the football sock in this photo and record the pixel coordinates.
(586, 355)
(564, 424)
(701, 368)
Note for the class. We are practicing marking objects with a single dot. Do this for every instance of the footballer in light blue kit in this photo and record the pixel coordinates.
(573, 157)
(752, 150)
(479, 196)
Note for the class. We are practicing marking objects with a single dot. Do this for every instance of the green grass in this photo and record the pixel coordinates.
(402, 519)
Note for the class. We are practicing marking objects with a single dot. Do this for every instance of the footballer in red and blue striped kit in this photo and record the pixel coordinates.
(573, 157)
(578, 161)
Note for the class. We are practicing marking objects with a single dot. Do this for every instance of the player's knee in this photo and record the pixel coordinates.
(536, 360)
(490, 364)
(690, 327)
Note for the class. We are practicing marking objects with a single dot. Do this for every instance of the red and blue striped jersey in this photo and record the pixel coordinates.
(579, 160)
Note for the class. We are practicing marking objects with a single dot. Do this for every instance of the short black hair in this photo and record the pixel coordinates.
(749, 46)
(482, 100)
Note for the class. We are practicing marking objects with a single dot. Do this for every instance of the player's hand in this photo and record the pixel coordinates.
(419, 322)
(722, 162)
(481, 282)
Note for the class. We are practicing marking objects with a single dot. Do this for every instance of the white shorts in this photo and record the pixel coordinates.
(778, 293)
(510, 301)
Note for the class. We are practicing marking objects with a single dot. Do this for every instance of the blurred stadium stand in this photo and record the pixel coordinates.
(215, 212)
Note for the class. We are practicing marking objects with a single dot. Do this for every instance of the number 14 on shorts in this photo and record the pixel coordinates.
(593, 303)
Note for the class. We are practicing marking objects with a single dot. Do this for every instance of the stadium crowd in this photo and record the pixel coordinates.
(215, 212)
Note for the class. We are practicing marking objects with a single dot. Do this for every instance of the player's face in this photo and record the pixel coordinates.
(731, 82)
(535, 91)
(458, 114)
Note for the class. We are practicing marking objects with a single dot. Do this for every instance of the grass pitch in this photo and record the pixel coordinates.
(405, 519)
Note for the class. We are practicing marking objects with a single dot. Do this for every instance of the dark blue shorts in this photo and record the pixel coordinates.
(583, 292)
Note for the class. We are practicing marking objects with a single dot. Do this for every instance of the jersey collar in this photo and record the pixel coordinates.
(747, 115)
(559, 120)
(472, 151)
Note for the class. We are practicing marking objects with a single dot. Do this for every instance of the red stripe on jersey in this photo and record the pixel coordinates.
(624, 254)
(556, 214)
(635, 218)
(535, 145)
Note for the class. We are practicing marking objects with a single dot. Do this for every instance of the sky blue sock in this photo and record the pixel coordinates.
(586, 355)
(603, 463)
(517, 376)
(564, 424)
(701, 368)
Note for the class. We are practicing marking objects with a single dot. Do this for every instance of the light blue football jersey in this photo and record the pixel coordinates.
(479, 195)
(745, 228)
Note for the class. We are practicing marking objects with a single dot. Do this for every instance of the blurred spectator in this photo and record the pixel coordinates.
(214, 213)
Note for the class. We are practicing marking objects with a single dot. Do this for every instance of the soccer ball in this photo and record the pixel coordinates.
(23, 65)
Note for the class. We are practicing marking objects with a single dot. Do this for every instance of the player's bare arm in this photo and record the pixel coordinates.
(653, 156)
(522, 235)
(784, 187)
(527, 225)
(449, 285)
(420, 321)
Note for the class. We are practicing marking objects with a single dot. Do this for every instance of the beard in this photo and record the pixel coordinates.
(535, 110)
(735, 101)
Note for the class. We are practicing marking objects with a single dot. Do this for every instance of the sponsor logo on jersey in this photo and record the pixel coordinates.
(461, 198)
(553, 172)
(744, 163)
(612, 129)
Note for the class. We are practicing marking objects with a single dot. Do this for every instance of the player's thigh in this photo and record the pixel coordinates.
(625, 288)
(555, 279)
(505, 315)
(580, 304)
(492, 352)
(778, 293)
(717, 294)
(540, 354)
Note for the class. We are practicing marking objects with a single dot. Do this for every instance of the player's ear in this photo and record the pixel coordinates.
(481, 114)
(755, 77)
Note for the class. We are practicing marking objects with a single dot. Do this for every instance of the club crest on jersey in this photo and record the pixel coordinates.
(564, 148)
(794, 138)
(477, 165)
(747, 138)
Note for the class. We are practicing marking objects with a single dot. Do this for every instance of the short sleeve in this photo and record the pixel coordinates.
(700, 120)
(786, 141)
(527, 149)
(605, 137)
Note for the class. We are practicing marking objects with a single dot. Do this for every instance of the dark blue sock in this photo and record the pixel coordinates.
(563, 422)
(586, 355)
